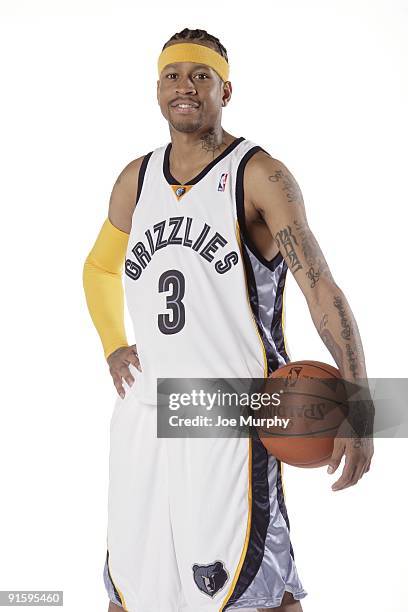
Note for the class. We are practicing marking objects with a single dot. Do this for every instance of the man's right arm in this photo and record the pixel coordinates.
(123, 197)
(102, 272)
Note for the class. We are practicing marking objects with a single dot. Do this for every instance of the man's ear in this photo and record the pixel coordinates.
(229, 92)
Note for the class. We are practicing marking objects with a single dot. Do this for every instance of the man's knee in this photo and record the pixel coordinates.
(114, 608)
(288, 604)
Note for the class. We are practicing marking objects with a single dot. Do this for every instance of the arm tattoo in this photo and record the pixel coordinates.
(289, 185)
(347, 334)
(330, 342)
(352, 360)
(317, 264)
(346, 328)
(323, 322)
(287, 240)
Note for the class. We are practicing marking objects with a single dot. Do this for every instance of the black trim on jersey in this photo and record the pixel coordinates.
(276, 325)
(239, 198)
(142, 171)
(118, 599)
(281, 502)
(259, 522)
(271, 356)
(173, 181)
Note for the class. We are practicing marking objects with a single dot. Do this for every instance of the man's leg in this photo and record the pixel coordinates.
(288, 604)
(138, 514)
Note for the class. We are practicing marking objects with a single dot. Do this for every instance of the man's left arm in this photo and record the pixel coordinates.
(273, 191)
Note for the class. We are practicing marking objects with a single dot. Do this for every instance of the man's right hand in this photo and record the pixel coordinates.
(118, 362)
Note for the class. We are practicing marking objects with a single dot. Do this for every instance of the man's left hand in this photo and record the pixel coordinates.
(358, 453)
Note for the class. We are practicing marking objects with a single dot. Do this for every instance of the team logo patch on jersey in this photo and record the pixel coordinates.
(210, 578)
(223, 181)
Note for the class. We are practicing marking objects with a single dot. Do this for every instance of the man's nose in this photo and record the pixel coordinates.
(185, 85)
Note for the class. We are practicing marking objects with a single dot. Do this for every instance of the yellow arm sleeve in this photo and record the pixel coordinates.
(102, 282)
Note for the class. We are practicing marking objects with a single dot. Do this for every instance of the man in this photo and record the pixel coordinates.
(199, 525)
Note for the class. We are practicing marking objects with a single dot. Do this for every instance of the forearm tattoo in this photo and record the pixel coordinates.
(360, 412)
(317, 265)
(346, 328)
(330, 342)
(352, 360)
(286, 241)
(347, 334)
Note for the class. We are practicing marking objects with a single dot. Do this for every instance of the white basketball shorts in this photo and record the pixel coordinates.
(194, 524)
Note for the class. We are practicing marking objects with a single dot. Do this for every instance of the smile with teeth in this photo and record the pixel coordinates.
(185, 108)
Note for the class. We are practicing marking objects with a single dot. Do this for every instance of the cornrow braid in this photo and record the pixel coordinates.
(188, 34)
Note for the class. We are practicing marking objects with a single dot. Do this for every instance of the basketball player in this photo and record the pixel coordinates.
(206, 228)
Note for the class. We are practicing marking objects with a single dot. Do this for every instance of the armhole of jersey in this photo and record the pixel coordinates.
(142, 172)
(239, 199)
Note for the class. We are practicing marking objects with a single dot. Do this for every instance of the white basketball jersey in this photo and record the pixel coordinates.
(203, 301)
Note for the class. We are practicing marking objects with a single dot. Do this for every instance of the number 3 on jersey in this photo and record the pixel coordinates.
(173, 279)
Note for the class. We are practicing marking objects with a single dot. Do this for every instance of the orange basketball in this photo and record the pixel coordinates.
(312, 406)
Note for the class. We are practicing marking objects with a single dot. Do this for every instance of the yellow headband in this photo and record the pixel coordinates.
(191, 52)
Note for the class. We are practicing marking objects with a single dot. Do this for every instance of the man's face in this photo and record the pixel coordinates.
(195, 84)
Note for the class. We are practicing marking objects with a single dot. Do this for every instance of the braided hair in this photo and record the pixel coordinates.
(198, 35)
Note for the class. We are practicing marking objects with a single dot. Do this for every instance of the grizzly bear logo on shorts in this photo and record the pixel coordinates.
(210, 578)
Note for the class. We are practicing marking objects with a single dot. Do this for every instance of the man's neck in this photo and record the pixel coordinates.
(192, 151)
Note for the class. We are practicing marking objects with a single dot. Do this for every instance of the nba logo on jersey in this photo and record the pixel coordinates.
(223, 180)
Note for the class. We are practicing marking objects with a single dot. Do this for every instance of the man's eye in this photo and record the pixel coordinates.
(171, 74)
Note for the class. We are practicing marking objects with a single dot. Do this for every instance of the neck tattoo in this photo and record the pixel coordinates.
(211, 143)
